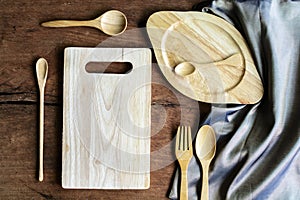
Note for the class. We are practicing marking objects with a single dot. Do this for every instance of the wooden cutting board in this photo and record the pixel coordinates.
(106, 120)
(202, 39)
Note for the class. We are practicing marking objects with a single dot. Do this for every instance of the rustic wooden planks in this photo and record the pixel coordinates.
(23, 37)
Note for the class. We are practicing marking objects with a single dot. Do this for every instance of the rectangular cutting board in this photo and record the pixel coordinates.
(106, 120)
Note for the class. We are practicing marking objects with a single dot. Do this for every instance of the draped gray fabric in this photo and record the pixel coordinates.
(258, 145)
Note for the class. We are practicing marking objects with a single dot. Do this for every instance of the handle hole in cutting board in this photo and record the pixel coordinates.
(109, 67)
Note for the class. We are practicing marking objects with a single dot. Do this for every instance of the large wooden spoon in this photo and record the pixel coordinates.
(41, 72)
(112, 23)
(205, 149)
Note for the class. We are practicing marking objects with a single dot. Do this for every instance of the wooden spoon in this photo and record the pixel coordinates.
(205, 149)
(187, 68)
(112, 23)
(41, 72)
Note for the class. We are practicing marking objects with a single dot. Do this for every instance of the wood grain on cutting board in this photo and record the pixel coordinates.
(106, 130)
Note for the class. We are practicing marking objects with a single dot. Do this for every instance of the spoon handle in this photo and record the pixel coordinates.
(66, 23)
(205, 189)
(41, 141)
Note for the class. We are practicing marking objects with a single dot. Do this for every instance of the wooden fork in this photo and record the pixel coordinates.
(184, 153)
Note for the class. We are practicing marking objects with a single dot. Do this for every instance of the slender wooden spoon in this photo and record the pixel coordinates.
(41, 72)
(112, 23)
(187, 68)
(205, 150)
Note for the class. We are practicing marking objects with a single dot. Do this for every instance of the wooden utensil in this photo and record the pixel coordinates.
(198, 37)
(184, 153)
(41, 72)
(112, 23)
(106, 120)
(205, 150)
(187, 68)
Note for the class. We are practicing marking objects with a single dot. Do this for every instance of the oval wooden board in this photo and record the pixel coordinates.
(202, 39)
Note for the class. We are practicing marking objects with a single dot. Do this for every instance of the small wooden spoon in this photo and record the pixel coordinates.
(205, 149)
(112, 23)
(41, 72)
(187, 68)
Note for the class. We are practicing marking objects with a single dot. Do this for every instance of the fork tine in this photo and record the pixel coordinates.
(178, 138)
(182, 139)
(189, 137)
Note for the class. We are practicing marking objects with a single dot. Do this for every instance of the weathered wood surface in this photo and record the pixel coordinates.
(22, 42)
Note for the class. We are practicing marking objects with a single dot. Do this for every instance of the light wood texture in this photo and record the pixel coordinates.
(184, 153)
(205, 150)
(106, 133)
(187, 68)
(112, 22)
(41, 72)
(204, 38)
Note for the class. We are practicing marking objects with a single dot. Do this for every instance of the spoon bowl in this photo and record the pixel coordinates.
(112, 22)
(184, 68)
(205, 150)
(42, 72)
(206, 143)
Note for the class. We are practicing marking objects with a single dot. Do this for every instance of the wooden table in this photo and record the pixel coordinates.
(22, 42)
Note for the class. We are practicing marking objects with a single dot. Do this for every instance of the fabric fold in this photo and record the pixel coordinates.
(258, 145)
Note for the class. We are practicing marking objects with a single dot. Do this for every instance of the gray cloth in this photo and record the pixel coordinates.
(258, 145)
